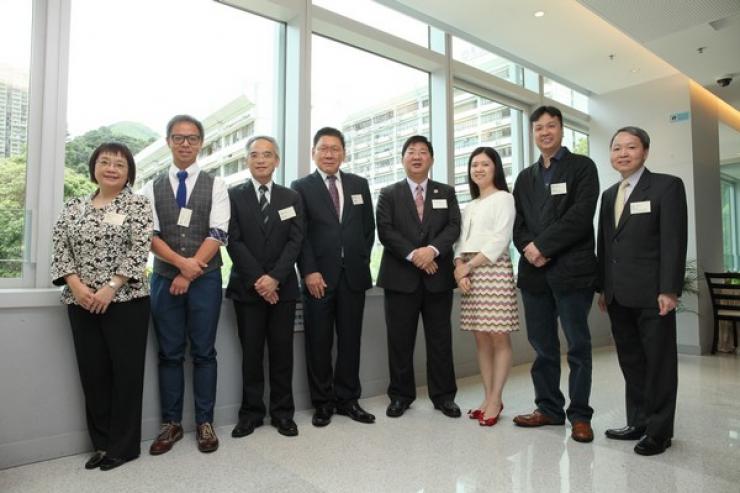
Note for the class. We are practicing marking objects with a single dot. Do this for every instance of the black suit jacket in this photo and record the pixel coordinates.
(561, 226)
(330, 244)
(270, 249)
(400, 232)
(645, 254)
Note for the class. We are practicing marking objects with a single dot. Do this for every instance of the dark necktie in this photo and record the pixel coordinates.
(334, 192)
(182, 191)
(263, 204)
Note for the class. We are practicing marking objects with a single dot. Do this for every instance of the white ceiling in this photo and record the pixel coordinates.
(574, 39)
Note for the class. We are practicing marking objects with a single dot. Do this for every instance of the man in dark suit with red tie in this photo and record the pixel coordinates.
(265, 236)
(418, 223)
(642, 256)
(335, 265)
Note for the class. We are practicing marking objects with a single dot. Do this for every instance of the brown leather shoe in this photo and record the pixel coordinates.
(582, 432)
(169, 433)
(206, 437)
(536, 418)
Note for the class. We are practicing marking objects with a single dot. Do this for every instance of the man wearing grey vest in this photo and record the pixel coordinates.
(191, 219)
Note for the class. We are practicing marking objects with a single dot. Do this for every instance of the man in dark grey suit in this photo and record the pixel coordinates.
(642, 256)
(335, 265)
(418, 223)
(265, 235)
(555, 204)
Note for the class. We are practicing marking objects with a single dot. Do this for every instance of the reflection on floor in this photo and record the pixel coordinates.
(426, 451)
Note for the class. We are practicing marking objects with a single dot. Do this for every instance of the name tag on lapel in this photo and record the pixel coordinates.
(114, 219)
(286, 213)
(558, 188)
(640, 207)
(439, 203)
(184, 219)
(357, 199)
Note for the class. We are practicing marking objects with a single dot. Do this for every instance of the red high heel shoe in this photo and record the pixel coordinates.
(483, 421)
(475, 414)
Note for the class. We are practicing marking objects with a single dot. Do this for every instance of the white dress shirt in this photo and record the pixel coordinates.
(220, 205)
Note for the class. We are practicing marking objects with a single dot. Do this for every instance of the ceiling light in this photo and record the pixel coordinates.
(539, 13)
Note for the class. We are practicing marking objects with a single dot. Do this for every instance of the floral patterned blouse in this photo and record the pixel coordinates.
(98, 243)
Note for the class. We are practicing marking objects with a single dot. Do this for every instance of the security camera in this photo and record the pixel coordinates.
(724, 81)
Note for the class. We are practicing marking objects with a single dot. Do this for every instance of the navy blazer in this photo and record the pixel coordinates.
(400, 232)
(258, 249)
(561, 225)
(331, 245)
(645, 254)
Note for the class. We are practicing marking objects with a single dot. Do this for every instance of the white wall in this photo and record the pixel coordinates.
(688, 149)
(41, 408)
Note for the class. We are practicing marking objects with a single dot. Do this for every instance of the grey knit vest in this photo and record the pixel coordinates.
(184, 241)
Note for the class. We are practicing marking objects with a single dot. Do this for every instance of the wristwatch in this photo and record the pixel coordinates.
(113, 285)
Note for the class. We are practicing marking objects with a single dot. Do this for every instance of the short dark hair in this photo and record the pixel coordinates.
(113, 148)
(550, 110)
(417, 139)
(499, 178)
(328, 132)
(185, 119)
(636, 132)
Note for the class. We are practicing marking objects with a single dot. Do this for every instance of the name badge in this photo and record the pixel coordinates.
(640, 207)
(286, 213)
(439, 203)
(114, 218)
(184, 219)
(558, 188)
(357, 199)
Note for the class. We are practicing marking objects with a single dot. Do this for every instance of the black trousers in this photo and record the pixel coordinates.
(402, 312)
(647, 353)
(341, 309)
(110, 349)
(259, 323)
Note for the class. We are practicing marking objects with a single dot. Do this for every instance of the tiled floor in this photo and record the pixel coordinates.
(425, 451)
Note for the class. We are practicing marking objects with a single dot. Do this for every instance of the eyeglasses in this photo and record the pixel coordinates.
(117, 165)
(180, 139)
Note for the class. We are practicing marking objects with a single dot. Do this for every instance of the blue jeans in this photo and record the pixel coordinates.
(192, 316)
(541, 311)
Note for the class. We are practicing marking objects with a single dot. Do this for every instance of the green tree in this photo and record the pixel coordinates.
(12, 214)
(78, 150)
(77, 184)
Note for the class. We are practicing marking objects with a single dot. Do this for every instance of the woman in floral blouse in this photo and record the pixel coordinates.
(101, 245)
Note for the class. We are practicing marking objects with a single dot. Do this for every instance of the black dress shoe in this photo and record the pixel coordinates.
(449, 409)
(109, 463)
(355, 412)
(322, 416)
(651, 446)
(626, 433)
(285, 426)
(396, 408)
(245, 427)
(95, 460)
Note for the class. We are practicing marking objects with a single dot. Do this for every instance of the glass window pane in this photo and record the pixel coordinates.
(575, 141)
(211, 61)
(15, 62)
(493, 64)
(564, 94)
(376, 103)
(481, 121)
(380, 17)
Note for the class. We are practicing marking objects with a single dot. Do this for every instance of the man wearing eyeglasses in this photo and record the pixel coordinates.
(335, 265)
(191, 219)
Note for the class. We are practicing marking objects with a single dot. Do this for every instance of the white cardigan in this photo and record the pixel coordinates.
(487, 226)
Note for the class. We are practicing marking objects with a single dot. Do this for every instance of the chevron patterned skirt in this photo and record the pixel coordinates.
(491, 304)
